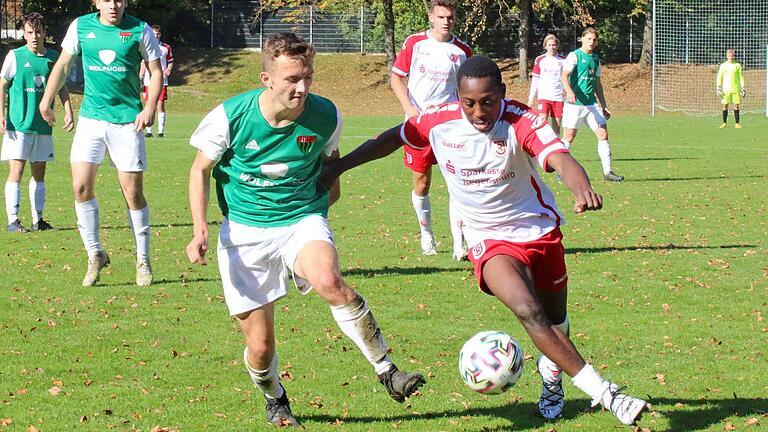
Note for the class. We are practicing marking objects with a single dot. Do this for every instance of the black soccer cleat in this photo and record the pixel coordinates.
(612, 177)
(279, 412)
(161, 135)
(42, 225)
(148, 134)
(399, 384)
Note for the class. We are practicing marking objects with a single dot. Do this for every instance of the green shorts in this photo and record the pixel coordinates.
(733, 98)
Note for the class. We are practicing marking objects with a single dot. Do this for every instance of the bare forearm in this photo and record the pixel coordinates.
(55, 81)
(379, 147)
(400, 89)
(199, 195)
(599, 93)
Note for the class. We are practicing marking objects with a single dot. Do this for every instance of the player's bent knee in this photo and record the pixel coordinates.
(530, 315)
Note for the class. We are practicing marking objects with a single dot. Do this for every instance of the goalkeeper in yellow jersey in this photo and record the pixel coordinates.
(730, 86)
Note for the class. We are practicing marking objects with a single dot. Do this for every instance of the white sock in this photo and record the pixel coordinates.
(12, 200)
(604, 150)
(591, 383)
(149, 129)
(268, 380)
(140, 226)
(357, 322)
(423, 212)
(566, 142)
(456, 227)
(553, 371)
(88, 225)
(161, 122)
(37, 199)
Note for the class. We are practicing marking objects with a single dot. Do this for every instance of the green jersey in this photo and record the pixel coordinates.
(112, 56)
(584, 69)
(267, 176)
(730, 77)
(27, 73)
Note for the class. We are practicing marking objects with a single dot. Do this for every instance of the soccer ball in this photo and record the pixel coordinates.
(491, 362)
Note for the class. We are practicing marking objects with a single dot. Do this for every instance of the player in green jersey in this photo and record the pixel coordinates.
(27, 137)
(265, 149)
(112, 45)
(730, 87)
(583, 89)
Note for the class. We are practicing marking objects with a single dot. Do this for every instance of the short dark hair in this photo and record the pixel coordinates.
(157, 28)
(450, 4)
(289, 44)
(34, 19)
(479, 67)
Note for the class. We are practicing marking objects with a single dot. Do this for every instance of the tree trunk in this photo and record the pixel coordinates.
(389, 33)
(646, 55)
(524, 33)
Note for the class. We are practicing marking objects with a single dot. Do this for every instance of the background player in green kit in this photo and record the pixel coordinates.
(265, 149)
(111, 119)
(27, 137)
(583, 89)
(730, 87)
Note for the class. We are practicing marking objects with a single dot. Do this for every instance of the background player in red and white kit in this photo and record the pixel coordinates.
(487, 148)
(429, 60)
(546, 83)
(166, 63)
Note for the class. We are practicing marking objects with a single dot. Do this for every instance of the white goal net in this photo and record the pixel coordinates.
(690, 39)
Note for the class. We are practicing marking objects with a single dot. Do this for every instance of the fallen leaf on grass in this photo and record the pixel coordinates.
(752, 422)
(32, 429)
(729, 426)
(54, 391)
(6, 422)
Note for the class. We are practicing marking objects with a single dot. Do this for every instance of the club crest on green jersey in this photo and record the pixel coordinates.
(305, 143)
(125, 36)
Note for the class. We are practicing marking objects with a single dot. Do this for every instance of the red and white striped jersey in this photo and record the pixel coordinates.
(492, 177)
(166, 56)
(549, 85)
(431, 67)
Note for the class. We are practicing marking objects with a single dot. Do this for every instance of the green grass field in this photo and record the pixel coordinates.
(668, 295)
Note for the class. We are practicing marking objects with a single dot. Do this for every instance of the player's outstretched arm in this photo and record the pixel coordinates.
(383, 145)
(576, 179)
(199, 195)
(55, 82)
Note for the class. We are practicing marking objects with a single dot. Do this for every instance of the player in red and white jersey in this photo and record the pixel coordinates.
(488, 148)
(546, 83)
(166, 62)
(429, 61)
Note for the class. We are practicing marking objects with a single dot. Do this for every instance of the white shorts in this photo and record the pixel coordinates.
(28, 147)
(576, 115)
(94, 138)
(256, 263)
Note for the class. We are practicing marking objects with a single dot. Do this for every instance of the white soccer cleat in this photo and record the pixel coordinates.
(95, 264)
(428, 245)
(625, 408)
(552, 398)
(143, 273)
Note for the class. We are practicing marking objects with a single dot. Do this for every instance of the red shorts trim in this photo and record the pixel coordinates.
(544, 256)
(419, 160)
(163, 93)
(551, 108)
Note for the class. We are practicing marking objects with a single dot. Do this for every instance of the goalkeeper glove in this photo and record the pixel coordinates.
(719, 91)
(743, 92)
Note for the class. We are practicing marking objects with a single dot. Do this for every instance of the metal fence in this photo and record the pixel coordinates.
(239, 24)
(11, 12)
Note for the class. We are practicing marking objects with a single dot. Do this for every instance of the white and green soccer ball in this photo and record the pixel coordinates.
(491, 362)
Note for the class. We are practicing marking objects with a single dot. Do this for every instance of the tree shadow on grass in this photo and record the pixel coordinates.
(654, 159)
(693, 415)
(164, 281)
(721, 177)
(405, 271)
(669, 246)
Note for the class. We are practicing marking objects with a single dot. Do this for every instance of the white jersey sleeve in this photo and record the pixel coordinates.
(333, 142)
(534, 87)
(71, 43)
(570, 62)
(212, 134)
(9, 66)
(150, 48)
